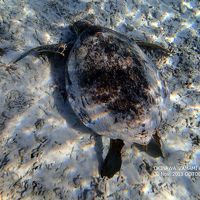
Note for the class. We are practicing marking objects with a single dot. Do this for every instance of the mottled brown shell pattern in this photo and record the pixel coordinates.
(114, 88)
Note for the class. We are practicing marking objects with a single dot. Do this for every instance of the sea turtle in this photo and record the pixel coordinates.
(113, 87)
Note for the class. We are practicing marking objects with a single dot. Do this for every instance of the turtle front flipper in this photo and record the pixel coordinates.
(113, 161)
(60, 48)
(152, 46)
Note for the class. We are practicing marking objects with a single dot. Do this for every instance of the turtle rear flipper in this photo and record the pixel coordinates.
(157, 142)
(154, 148)
(61, 48)
(113, 161)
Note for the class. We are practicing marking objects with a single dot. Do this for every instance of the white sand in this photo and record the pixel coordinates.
(45, 152)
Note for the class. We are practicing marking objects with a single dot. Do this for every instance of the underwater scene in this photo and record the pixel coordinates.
(105, 109)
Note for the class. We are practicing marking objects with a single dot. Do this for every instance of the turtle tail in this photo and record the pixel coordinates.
(113, 161)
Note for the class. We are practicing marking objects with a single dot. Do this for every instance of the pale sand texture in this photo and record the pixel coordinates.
(45, 152)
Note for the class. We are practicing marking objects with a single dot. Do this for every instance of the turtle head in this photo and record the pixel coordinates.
(80, 26)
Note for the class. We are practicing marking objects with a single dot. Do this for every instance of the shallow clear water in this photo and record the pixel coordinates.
(46, 152)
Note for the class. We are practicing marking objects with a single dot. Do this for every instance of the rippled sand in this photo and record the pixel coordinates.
(46, 153)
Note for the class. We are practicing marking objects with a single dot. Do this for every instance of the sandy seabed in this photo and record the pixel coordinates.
(46, 153)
